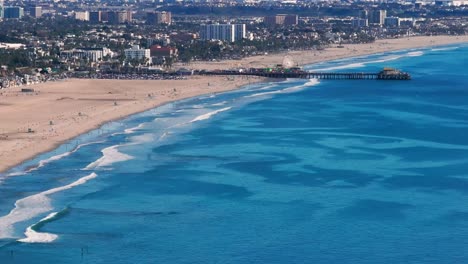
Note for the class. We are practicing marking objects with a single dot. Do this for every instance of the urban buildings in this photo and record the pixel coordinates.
(35, 11)
(225, 32)
(91, 54)
(82, 15)
(283, 20)
(137, 53)
(240, 32)
(119, 17)
(154, 18)
(377, 16)
(159, 54)
(13, 12)
(359, 23)
(95, 16)
(392, 22)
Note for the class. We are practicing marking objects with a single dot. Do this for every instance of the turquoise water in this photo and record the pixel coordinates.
(298, 171)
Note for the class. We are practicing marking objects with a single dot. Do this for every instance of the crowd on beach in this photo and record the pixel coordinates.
(125, 76)
(18, 81)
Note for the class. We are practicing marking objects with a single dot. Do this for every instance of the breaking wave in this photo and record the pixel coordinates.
(210, 114)
(34, 205)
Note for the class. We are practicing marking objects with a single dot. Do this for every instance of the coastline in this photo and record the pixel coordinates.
(59, 111)
(333, 53)
(78, 107)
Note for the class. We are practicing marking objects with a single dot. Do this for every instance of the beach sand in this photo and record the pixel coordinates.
(59, 111)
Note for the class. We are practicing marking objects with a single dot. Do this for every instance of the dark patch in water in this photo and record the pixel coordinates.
(456, 216)
(121, 213)
(376, 210)
(430, 182)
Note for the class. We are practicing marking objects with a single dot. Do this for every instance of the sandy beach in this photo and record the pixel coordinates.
(33, 123)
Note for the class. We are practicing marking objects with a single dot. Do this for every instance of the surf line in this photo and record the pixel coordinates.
(34, 205)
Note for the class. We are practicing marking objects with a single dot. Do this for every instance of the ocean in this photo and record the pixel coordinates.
(297, 171)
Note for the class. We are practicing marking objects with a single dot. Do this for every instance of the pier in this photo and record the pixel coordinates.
(385, 74)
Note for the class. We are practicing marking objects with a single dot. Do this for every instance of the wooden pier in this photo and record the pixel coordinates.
(385, 74)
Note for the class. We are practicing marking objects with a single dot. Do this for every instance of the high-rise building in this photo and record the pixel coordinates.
(15, 12)
(154, 18)
(240, 31)
(95, 16)
(83, 15)
(363, 14)
(35, 11)
(359, 23)
(1, 9)
(282, 20)
(226, 32)
(119, 17)
(377, 17)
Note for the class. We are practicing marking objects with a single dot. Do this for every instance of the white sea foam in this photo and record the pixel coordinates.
(297, 88)
(352, 65)
(133, 129)
(443, 49)
(144, 138)
(415, 53)
(264, 93)
(129, 130)
(165, 134)
(43, 162)
(210, 114)
(387, 58)
(39, 237)
(266, 87)
(34, 205)
(110, 155)
(311, 82)
(220, 103)
(362, 64)
(17, 173)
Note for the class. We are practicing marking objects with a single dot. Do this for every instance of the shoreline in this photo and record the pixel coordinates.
(108, 111)
(306, 57)
(60, 111)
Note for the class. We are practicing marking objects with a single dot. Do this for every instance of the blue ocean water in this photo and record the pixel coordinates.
(298, 171)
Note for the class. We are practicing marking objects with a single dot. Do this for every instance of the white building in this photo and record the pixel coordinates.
(84, 16)
(137, 53)
(92, 54)
(13, 46)
(225, 32)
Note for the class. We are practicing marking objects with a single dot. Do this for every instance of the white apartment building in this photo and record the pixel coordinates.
(84, 15)
(137, 53)
(92, 54)
(225, 32)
